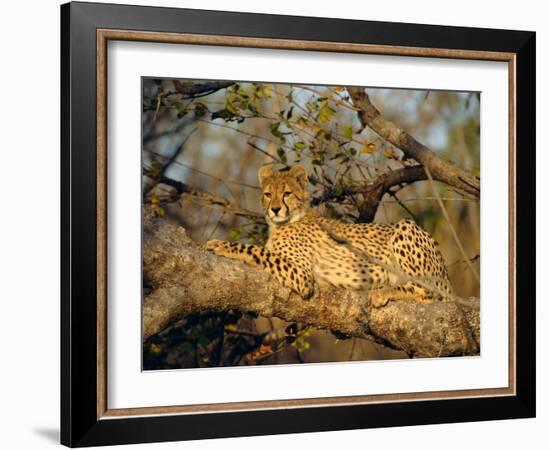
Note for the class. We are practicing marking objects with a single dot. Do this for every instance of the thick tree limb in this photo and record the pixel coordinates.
(440, 169)
(374, 192)
(186, 279)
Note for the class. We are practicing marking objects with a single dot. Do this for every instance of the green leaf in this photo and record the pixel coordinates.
(200, 110)
(226, 115)
(274, 128)
(282, 154)
(222, 114)
(244, 94)
(234, 234)
(267, 90)
(347, 131)
(299, 145)
(326, 113)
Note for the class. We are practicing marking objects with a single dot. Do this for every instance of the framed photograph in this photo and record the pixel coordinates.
(277, 224)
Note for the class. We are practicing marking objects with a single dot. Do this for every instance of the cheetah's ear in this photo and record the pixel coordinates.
(300, 173)
(264, 173)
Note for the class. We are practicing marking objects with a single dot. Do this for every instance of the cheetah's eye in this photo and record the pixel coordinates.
(267, 194)
(286, 194)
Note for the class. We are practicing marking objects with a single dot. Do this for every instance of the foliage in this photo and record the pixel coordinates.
(245, 125)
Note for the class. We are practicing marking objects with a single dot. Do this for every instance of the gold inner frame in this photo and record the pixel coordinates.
(103, 36)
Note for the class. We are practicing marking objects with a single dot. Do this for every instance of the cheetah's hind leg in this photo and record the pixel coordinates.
(407, 292)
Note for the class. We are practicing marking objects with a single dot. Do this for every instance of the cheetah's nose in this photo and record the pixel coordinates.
(275, 210)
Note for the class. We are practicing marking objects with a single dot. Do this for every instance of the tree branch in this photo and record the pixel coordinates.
(440, 169)
(208, 200)
(373, 192)
(193, 90)
(186, 279)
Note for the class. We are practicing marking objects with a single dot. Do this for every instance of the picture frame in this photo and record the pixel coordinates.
(86, 28)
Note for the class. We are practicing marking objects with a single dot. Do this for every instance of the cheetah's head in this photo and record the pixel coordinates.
(285, 197)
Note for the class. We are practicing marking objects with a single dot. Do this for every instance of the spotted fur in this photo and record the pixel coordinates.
(300, 251)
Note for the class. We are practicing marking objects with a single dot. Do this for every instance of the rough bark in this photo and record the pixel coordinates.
(440, 169)
(186, 279)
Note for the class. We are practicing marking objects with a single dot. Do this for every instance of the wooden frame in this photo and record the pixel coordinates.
(86, 419)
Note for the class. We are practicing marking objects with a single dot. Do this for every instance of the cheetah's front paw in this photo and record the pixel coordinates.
(217, 247)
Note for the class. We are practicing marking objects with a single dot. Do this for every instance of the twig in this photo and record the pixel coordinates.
(209, 200)
(461, 261)
(157, 107)
(173, 158)
(400, 203)
(353, 342)
(445, 199)
(259, 149)
(222, 181)
(451, 226)
(245, 333)
(216, 227)
(336, 101)
(247, 134)
(173, 131)
(194, 90)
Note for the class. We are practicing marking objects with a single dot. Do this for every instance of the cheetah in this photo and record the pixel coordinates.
(302, 250)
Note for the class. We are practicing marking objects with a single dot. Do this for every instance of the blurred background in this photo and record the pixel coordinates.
(207, 139)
